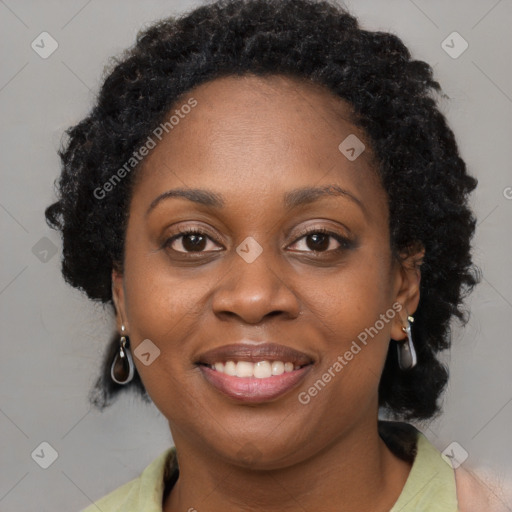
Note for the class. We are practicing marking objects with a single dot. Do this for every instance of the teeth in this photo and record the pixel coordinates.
(244, 369)
(229, 368)
(260, 370)
(277, 368)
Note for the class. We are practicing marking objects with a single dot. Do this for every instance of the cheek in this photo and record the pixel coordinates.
(158, 304)
(164, 308)
(160, 299)
(353, 297)
(354, 313)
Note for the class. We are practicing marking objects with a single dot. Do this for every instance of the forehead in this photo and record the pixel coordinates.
(257, 135)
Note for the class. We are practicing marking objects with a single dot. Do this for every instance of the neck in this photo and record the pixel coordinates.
(356, 472)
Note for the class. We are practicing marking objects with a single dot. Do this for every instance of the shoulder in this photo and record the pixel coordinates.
(430, 484)
(122, 496)
(471, 490)
(142, 493)
(475, 495)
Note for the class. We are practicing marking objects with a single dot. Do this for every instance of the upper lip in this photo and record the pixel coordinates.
(243, 351)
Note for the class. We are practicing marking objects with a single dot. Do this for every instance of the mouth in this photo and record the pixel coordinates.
(254, 373)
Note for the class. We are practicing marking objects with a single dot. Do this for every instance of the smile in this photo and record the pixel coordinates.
(254, 389)
(254, 373)
(260, 370)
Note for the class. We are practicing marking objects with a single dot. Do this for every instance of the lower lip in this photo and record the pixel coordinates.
(251, 389)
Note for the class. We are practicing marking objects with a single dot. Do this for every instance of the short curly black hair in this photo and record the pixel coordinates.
(393, 101)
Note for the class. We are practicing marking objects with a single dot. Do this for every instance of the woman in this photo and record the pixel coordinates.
(271, 200)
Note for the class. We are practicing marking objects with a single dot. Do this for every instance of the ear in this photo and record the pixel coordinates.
(407, 287)
(118, 297)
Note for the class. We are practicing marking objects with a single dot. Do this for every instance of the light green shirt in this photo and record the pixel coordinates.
(430, 486)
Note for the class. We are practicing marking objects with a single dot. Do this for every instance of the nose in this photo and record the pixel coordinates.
(253, 291)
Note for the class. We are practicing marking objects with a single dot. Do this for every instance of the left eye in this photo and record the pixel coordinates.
(321, 241)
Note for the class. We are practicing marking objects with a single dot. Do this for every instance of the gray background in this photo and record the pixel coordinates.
(53, 338)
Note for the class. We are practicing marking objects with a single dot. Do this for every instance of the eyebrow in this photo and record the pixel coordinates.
(197, 195)
(292, 199)
(302, 196)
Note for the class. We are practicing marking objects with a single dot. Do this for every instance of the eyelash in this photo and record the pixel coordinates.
(345, 243)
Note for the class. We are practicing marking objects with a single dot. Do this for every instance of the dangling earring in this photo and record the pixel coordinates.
(406, 353)
(123, 368)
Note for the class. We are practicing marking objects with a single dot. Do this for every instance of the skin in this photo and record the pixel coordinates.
(253, 139)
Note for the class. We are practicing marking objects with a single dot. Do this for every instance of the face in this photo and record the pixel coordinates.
(255, 259)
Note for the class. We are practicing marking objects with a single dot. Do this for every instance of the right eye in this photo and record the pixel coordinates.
(190, 240)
